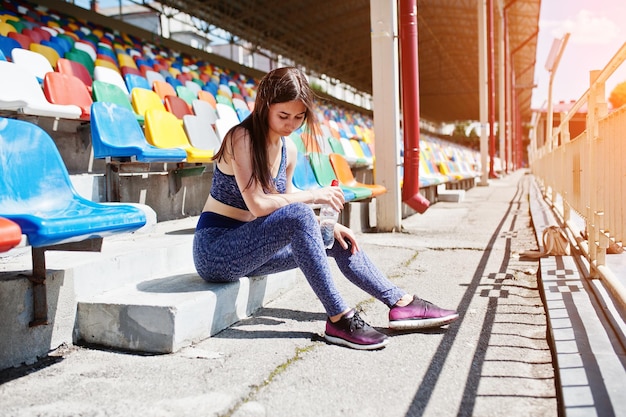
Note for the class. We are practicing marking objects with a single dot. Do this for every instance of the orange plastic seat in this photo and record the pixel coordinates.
(10, 234)
(346, 177)
(208, 97)
(66, 89)
(163, 89)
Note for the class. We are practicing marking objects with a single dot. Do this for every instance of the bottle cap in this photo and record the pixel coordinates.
(334, 183)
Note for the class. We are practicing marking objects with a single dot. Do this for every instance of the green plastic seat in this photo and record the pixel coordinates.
(325, 174)
(111, 93)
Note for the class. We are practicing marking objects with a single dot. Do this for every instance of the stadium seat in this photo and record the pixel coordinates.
(82, 57)
(87, 48)
(115, 133)
(17, 85)
(227, 113)
(200, 133)
(358, 150)
(136, 81)
(78, 70)
(186, 94)
(110, 93)
(144, 100)
(32, 62)
(7, 45)
(204, 110)
(350, 153)
(23, 40)
(163, 88)
(194, 87)
(6, 28)
(303, 176)
(10, 234)
(208, 97)
(66, 89)
(177, 106)
(164, 130)
(48, 52)
(325, 174)
(346, 177)
(153, 76)
(110, 76)
(38, 195)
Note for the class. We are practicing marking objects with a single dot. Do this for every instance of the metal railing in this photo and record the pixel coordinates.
(586, 175)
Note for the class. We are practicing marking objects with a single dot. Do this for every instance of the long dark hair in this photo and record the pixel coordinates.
(277, 86)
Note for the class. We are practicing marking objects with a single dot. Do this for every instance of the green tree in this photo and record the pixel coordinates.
(618, 95)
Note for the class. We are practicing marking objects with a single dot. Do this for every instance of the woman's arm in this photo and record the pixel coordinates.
(261, 204)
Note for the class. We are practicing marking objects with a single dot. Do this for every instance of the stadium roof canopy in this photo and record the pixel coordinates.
(332, 37)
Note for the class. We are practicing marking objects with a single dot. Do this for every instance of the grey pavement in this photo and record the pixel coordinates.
(495, 360)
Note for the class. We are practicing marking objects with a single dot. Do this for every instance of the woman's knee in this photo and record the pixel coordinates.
(300, 215)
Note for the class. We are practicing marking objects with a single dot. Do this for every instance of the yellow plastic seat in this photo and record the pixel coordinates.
(144, 100)
(51, 55)
(164, 130)
(106, 64)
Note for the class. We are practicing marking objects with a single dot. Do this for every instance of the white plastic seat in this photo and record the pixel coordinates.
(110, 76)
(33, 62)
(20, 91)
(201, 133)
(204, 110)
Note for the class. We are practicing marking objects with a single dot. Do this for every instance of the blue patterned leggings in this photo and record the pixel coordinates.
(286, 239)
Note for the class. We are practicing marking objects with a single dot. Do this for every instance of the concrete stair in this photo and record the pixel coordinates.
(141, 292)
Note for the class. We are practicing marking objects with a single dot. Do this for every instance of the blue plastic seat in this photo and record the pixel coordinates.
(38, 195)
(116, 133)
(7, 45)
(136, 81)
(304, 178)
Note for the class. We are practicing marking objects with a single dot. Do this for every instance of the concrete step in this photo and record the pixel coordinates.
(140, 292)
(587, 329)
(165, 314)
(451, 196)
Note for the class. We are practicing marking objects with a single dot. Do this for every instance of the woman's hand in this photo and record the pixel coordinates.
(344, 234)
(328, 195)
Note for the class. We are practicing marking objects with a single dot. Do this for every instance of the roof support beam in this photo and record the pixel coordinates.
(385, 83)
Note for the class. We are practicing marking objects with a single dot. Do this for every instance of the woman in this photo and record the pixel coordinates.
(254, 223)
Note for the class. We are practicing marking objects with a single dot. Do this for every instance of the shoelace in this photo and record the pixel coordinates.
(356, 322)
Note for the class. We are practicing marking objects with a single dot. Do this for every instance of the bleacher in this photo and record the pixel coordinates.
(103, 132)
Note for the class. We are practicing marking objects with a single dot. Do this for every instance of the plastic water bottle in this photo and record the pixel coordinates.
(328, 218)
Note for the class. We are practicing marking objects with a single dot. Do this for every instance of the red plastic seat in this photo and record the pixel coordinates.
(177, 106)
(22, 39)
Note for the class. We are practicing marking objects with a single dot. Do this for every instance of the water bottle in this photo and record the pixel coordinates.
(328, 218)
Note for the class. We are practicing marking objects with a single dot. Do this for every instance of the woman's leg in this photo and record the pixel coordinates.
(362, 272)
(283, 240)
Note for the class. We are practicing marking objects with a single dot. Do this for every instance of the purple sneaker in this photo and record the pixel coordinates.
(352, 331)
(420, 314)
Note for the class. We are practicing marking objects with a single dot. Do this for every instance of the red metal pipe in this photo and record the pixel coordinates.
(410, 105)
(491, 87)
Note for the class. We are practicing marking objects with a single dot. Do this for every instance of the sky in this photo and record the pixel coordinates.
(597, 30)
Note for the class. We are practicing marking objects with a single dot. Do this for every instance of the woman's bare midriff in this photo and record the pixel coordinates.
(226, 210)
